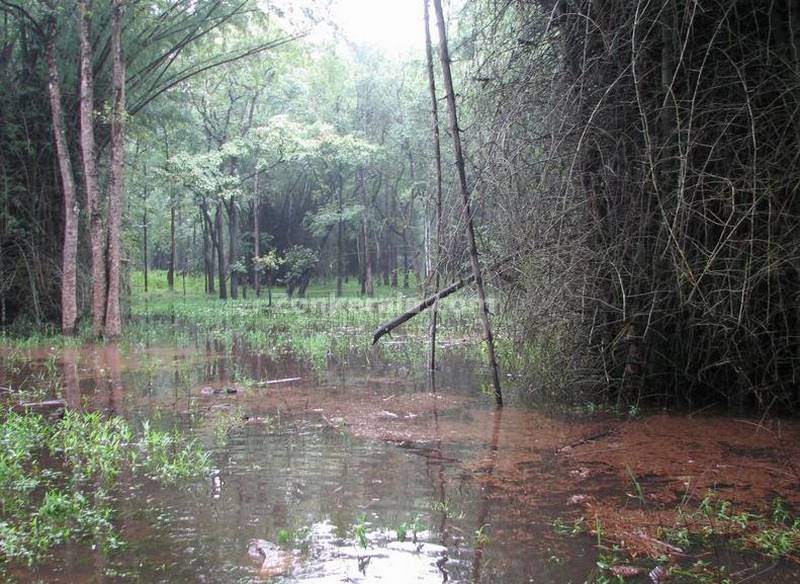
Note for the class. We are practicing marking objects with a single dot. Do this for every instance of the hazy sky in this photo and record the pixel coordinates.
(392, 25)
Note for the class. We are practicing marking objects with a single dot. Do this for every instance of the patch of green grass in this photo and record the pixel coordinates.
(55, 476)
(482, 536)
(359, 531)
(775, 534)
(294, 538)
(571, 528)
(227, 422)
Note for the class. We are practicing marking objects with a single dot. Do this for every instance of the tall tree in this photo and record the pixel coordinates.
(437, 150)
(69, 262)
(444, 57)
(113, 321)
(90, 174)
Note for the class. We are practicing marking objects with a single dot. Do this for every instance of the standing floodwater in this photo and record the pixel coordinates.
(352, 476)
(361, 473)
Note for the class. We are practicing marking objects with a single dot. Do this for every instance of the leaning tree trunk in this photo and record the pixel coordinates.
(444, 57)
(90, 180)
(113, 325)
(437, 148)
(69, 268)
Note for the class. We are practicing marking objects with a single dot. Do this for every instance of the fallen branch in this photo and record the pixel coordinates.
(389, 326)
(52, 407)
(276, 381)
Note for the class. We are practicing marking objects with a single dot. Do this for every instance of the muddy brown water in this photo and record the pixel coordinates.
(305, 459)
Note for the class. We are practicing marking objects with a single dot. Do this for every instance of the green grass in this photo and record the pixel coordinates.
(316, 329)
(56, 476)
(775, 534)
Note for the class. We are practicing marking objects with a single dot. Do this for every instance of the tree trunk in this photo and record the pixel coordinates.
(113, 325)
(223, 294)
(437, 147)
(69, 268)
(340, 241)
(233, 247)
(256, 239)
(91, 185)
(370, 287)
(144, 245)
(444, 57)
(208, 248)
(172, 258)
(406, 263)
(362, 269)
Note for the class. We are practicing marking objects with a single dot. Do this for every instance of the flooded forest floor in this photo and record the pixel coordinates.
(328, 461)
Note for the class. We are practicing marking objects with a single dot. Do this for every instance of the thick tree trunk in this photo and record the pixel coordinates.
(144, 244)
(406, 263)
(256, 239)
(438, 160)
(393, 263)
(223, 293)
(368, 284)
(233, 247)
(369, 287)
(90, 175)
(444, 57)
(69, 268)
(208, 249)
(362, 269)
(172, 254)
(340, 241)
(113, 325)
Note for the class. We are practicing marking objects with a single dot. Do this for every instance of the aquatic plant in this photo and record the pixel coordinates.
(56, 475)
(359, 531)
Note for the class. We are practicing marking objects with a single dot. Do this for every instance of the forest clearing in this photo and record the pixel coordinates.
(431, 291)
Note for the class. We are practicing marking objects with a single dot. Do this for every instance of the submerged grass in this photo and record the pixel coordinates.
(57, 477)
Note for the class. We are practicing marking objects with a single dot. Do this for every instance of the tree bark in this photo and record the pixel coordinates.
(223, 293)
(369, 285)
(437, 147)
(144, 244)
(208, 247)
(171, 268)
(69, 268)
(256, 239)
(233, 247)
(340, 240)
(90, 175)
(444, 57)
(113, 325)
